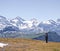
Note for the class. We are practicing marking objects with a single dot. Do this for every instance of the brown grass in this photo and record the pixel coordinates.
(29, 45)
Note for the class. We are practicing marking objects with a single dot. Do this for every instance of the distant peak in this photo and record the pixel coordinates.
(49, 22)
(46, 22)
(2, 17)
(52, 21)
(58, 20)
(19, 18)
(33, 19)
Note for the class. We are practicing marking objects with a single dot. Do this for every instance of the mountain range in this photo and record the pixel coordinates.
(29, 29)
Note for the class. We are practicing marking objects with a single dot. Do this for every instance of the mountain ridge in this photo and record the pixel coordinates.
(29, 29)
(49, 25)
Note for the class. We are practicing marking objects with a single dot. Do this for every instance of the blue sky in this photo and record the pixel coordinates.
(27, 9)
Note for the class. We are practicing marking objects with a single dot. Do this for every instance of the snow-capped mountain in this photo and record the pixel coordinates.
(58, 20)
(18, 26)
(32, 25)
(17, 21)
(23, 24)
(49, 25)
(3, 22)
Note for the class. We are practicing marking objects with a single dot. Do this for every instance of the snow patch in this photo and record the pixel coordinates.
(3, 44)
(15, 20)
(29, 23)
(46, 22)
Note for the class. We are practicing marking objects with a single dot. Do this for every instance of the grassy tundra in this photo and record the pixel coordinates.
(15, 44)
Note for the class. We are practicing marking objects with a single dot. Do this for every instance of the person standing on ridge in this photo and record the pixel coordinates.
(46, 37)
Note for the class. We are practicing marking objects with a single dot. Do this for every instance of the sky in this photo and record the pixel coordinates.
(27, 9)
